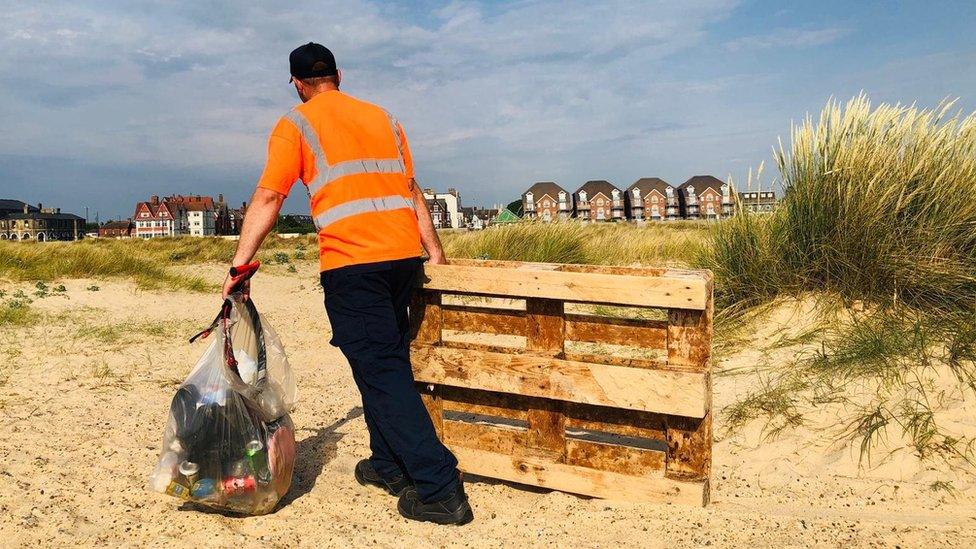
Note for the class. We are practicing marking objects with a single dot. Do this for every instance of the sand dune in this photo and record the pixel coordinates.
(83, 401)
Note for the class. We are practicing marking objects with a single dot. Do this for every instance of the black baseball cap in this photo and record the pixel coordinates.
(312, 61)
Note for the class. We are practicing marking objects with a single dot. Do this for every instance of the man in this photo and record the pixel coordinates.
(371, 218)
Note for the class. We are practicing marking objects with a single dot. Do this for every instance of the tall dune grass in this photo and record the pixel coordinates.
(675, 244)
(147, 262)
(878, 205)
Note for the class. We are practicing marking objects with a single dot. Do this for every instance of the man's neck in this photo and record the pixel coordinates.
(322, 89)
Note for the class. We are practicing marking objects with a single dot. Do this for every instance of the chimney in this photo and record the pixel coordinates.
(26, 207)
(40, 206)
(154, 199)
(220, 198)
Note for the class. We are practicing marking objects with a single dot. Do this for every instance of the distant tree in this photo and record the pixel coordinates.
(91, 227)
(515, 207)
(293, 224)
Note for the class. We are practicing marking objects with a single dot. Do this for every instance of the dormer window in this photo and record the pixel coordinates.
(636, 193)
(528, 198)
(691, 190)
(616, 194)
(562, 196)
(669, 191)
(582, 196)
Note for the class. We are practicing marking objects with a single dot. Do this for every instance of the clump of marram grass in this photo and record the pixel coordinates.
(877, 209)
(883, 368)
(673, 243)
(877, 205)
(15, 312)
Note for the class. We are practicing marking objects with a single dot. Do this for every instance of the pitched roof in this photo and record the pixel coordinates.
(702, 182)
(38, 215)
(117, 225)
(198, 207)
(595, 186)
(15, 206)
(648, 184)
(544, 187)
(506, 216)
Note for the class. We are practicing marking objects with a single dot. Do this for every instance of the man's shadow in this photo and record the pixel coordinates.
(312, 454)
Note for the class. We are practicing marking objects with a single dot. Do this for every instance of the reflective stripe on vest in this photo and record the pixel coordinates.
(361, 206)
(327, 173)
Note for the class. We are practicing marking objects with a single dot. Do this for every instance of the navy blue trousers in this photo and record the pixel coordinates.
(367, 307)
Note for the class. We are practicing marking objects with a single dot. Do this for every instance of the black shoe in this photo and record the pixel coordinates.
(366, 474)
(453, 510)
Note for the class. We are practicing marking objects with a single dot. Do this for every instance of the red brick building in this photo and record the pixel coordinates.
(652, 198)
(547, 201)
(599, 200)
(705, 197)
(116, 229)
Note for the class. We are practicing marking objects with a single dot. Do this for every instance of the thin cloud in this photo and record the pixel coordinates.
(788, 38)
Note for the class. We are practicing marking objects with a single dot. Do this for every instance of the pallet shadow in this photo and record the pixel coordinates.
(471, 478)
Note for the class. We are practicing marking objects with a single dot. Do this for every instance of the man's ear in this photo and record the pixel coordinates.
(338, 77)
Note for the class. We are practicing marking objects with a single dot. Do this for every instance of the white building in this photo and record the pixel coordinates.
(201, 219)
(453, 202)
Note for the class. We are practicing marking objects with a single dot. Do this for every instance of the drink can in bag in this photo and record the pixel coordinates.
(258, 457)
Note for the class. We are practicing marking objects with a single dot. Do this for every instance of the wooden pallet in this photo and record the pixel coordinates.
(599, 423)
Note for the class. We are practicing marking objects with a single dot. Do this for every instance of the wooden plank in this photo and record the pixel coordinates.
(537, 471)
(617, 331)
(690, 439)
(501, 439)
(484, 320)
(673, 289)
(629, 423)
(615, 458)
(426, 317)
(647, 363)
(670, 392)
(545, 327)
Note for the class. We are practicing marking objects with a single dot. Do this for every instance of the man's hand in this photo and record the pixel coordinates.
(230, 285)
(437, 259)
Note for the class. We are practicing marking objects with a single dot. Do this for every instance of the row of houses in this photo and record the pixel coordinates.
(648, 198)
(22, 221)
(179, 215)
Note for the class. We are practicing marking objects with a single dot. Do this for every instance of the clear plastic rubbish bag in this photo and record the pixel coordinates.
(229, 443)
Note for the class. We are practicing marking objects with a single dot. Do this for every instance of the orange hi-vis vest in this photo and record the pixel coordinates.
(354, 160)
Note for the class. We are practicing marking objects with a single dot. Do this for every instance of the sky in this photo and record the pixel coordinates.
(103, 104)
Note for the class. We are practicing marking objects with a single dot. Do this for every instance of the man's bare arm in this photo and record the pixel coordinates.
(428, 234)
(261, 216)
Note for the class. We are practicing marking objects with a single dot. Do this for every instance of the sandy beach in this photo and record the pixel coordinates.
(84, 394)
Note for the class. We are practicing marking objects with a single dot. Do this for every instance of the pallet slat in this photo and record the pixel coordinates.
(579, 479)
(617, 331)
(670, 392)
(683, 290)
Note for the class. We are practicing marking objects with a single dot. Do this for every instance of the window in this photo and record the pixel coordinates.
(653, 200)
